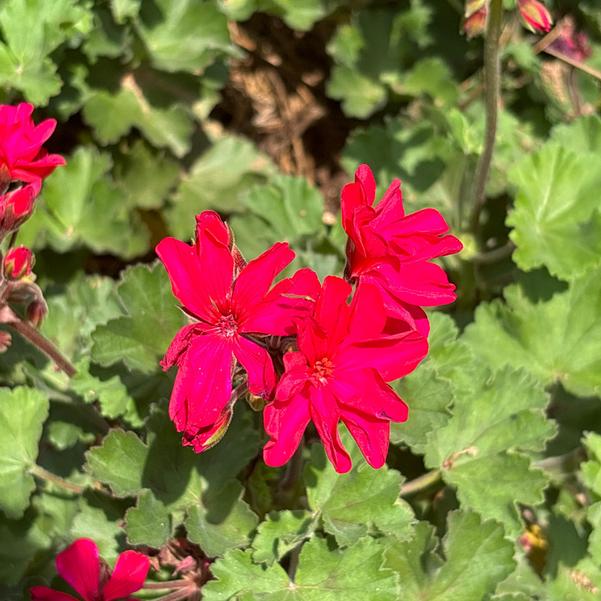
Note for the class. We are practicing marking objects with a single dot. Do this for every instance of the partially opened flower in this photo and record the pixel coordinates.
(227, 303)
(22, 155)
(82, 568)
(393, 250)
(16, 206)
(346, 354)
(535, 15)
(18, 263)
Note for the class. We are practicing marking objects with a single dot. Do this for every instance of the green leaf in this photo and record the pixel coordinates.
(82, 207)
(203, 487)
(477, 558)
(281, 532)
(217, 180)
(183, 35)
(99, 524)
(32, 30)
(22, 415)
(353, 574)
(125, 9)
(428, 398)
(151, 319)
(148, 523)
(370, 53)
(222, 522)
(495, 417)
(113, 114)
(145, 176)
(591, 469)
(119, 462)
(364, 501)
(555, 220)
(555, 340)
(289, 207)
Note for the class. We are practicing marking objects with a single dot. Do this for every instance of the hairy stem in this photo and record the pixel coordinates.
(43, 344)
(492, 86)
(43, 474)
(167, 585)
(422, 483)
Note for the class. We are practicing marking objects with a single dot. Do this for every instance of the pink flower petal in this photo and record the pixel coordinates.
(368, 318)
(394, 356)
(390, 208)
(294, 378)
(257, 277)
(215, 256)
(203, 385)
(331, 311)
(285, 423)
(325, 415)
(371, 435)
(128, 576)
(288, 301)
(79, 565)
(185, 272)
(43, 593)
(258, 365)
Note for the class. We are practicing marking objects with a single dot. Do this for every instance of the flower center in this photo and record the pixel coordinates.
(227, 326)
(322, 371)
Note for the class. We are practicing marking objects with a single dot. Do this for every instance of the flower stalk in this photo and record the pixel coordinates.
(492, 87)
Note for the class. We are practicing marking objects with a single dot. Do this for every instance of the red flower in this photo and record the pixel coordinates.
(535, 15)
(18, 263)
(393, 250)
(80, 565)
(227, 304)
(21, 152)
(345, 356)
(475, 23)
(16, 206)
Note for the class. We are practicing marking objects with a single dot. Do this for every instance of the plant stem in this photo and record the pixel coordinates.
(167, 585)
(43, 344)
(43, 474)
(492, 256)
(422, 483)
(492, 86)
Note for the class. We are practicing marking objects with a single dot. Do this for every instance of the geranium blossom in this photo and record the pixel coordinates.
(227, 302)
(18, 262)
(392, 250)
(346, 354)
(22, 156)
(82, 568)
(17, 205)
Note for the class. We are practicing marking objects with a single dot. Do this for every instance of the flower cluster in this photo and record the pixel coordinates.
(24, 163)
(90, 577)
(310, 351)
(534, 15)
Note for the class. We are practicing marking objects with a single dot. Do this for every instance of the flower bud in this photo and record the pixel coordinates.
(475, 24)
(474, 6)
(5, 341)
(16, 206)
(535, 15)
(18, 263)
(36, 311)
(208, 437)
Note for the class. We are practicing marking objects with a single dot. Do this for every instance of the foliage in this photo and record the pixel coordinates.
(492, 488)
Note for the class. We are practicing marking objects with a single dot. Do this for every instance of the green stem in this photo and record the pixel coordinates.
(422, 483)
(167, 585)
(43, 344)
(43, 474)
(492, 88)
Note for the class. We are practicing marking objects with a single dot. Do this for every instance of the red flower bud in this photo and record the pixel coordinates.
(535, 15)
(17, 206)
(475, 24)
(5, 341)
(18, 263)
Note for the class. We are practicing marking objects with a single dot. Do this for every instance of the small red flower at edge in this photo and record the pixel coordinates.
(81, 567)
(393, 250)
(22, 157)
(18, 263)
(227, 306)
(346, 355)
